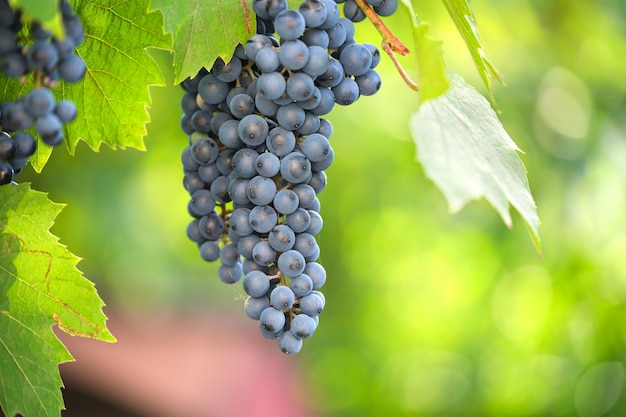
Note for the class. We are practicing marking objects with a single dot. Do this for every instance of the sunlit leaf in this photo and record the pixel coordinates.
(466, 151)
(40, 286)
(463, 18)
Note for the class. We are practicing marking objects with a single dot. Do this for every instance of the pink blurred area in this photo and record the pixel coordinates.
(201, 365)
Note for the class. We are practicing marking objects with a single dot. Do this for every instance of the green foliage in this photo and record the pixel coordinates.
(44, 11)
(114, 97)
(463, 18)
(432, 79)
(39, 287)
(465, 150)
(203, 30)
(429, 56)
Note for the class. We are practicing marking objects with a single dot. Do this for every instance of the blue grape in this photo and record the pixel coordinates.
(317, 37)
(272, 320)
(316, 223)
(315, 147)
(224, 161)
(346, 92)
(265, 106)
(208, 173)
(318, 61)
(255, 44)
(281, 141)
(244, 163)
(281, 238)
(240, 221)
(253, 130)
(254, 306)
(326, 104)
(39, 102)
(263, 253)
(303, 326)
(295, 167)
(271, 85)
(263, 218)
(241, 105)
(204, 150)
(332, 14)
(289, 344)
(256, 284)
(291, 263)
(212, 90)
(227, 72)
(211, 226)
(312, 304)
(267, 60)
(306, 195)
(229, 255)
(353, 12)
(324, 163)
(317, 273)
(333, 74)
(261, 190)
(210, 251)
(289, 24)
(318, 181)
(219, 189)
(237, 190)
(25, 144)
(230, 274)
(246, 244)
(66, 111)
(299, 220)
(356, 59)
(267, 164)
(282, 298)
(286, 201)
(293, 54)
(375, 54)
(41, 55)
(313, 12)
(301, 285)
(387, 8)
(369, 83)
(336, 36)
(305, 244)
(290, 116)
(72, 68)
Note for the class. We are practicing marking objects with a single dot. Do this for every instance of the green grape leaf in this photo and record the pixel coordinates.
(40, 286)
(44, 11)
(465, 150)
(463, 18)
(432, 68)
(113, 99)
(205, 30)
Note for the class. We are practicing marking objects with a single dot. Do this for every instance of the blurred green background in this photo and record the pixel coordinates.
(428, 313)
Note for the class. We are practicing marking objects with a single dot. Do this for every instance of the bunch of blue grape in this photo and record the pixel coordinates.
(29, 49)
(257, 154)
(382, 8)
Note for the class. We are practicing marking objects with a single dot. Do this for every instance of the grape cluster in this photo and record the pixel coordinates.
(382, 8)
(257, 154)
(30, 49)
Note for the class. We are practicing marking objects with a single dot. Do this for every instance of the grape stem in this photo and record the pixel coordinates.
(407, 79)
(391, 44)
